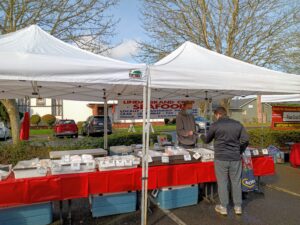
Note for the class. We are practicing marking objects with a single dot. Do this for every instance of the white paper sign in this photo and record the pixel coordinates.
(255, 152)
(136, 161)
(150, 159)
(291, 116)
(187, 157)
(196, 156)
(120, 162)
(128, 162)
(90, 164)
(66, 158)
(265, 151)
(165, 159)
(75, 165)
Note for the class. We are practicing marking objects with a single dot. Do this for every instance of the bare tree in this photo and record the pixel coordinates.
(255, 31)
(86, 23)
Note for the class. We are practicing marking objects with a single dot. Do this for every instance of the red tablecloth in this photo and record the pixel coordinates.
(295, 155)
(61, 187)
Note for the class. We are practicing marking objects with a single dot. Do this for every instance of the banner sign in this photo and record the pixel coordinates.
(160, 109)
(291, 116)
(285, 117)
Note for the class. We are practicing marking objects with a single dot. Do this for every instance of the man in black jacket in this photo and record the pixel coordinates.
(230, 139)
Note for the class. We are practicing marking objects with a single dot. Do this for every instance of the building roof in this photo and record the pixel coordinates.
(238, 103)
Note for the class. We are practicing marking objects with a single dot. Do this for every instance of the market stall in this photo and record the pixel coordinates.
(35, 64)
(194, 72)
(81, 185)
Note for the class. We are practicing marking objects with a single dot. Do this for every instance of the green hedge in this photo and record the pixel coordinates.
(272, 137)
(10, 154)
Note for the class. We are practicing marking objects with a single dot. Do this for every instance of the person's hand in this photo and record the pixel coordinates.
(190, 133)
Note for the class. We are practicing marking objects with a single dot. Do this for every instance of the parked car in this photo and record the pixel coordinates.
(66, 128)
(94, 125)
(4, 132)
(202, 124)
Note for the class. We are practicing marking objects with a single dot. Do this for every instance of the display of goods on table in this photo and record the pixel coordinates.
(170, 155)
(73, 164)
(204, 154)
(120, 150)
(5, 171)
(31, 168)
(117, 162)
(254, 152)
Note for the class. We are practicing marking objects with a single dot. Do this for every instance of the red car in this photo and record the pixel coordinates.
(66, 128)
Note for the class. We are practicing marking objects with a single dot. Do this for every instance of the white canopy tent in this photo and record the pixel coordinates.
(192, 70)
(281, 98)
(34, 63)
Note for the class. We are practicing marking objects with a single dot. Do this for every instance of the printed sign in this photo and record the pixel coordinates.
(291, 116)
(160, 109)
(285, 117)
(135, 74)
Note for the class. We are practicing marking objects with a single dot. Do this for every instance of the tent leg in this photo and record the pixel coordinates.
(147, 151)
(146, 137)
(144, 159)
(105, 121)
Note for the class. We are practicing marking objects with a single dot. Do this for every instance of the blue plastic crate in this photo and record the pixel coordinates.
(176, 197)
(36, 214)
(112, 204)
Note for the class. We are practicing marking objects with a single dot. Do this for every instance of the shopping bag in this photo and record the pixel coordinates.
(248, 179)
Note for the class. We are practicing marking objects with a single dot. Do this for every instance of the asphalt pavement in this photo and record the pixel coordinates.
(279, 205)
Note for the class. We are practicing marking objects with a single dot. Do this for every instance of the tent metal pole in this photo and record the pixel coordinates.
(146, 136)
(210, 111)
(262, 126)
(144, 159)
(105, 119)
(147, 150)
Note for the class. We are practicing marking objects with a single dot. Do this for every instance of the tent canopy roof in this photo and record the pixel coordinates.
(33, 63)
(295, 98)
(59, 69)
(195, 71)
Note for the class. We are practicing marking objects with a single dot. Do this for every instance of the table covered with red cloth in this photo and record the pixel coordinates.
(80, 185)
(295, 155)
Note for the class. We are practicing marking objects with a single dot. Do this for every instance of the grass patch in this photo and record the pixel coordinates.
(138, 129)
(36, 132)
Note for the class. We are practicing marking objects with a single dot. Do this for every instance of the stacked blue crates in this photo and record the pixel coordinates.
(176, 197)
(111, 204)
(36, 214)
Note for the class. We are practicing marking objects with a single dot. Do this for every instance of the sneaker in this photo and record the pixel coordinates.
(222, 210)
(238, 210)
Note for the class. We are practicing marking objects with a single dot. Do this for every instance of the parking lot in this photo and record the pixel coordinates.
(279, 205)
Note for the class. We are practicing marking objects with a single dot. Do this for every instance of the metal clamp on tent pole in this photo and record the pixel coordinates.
(144, 178)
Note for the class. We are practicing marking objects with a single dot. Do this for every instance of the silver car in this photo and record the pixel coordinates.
(202, 124)
(4, 132)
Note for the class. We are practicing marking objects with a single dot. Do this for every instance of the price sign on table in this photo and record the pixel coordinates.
(196, 155)
(187, 157)
(165, 159)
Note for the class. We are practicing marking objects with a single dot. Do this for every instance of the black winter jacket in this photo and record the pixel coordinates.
(230, 139)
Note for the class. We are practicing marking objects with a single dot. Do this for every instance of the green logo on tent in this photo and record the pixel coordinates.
(135, 74)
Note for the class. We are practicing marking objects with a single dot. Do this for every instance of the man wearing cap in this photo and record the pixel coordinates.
(230, 139)
(186, 127)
